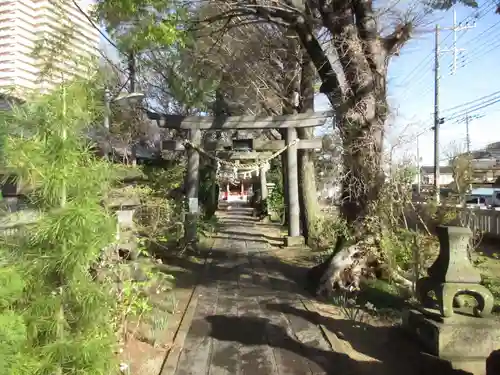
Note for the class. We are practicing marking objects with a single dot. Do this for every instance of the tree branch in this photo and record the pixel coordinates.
(398, 38)
(330, 84)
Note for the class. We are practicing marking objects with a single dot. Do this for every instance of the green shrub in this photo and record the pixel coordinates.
(276, 201)
(326, 231)
(54, 317)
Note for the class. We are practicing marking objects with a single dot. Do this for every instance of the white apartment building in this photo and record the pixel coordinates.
(23, 23)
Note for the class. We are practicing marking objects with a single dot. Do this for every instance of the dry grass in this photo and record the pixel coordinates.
(150, 339)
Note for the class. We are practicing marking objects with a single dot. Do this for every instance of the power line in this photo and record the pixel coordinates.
(92, 23)
(482, 103)
(424, 63)
(471, 102)
(483, 33)
(485, 105)
(485, 52)
(490, 6)
(131, 73)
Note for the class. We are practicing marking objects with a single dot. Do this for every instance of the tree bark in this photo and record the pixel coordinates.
(361, 111)
(308, 199)
(284, 182)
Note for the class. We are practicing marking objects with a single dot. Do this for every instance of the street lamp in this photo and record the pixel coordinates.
(120, 98)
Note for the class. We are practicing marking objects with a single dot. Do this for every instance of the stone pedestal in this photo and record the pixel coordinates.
(126, 238)
(464, 341)
(124, 202)
(292, 241)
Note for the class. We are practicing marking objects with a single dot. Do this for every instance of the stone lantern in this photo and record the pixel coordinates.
(447, 329)
(453, 274)
(125, 205)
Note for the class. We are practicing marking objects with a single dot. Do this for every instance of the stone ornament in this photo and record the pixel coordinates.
(453, 275)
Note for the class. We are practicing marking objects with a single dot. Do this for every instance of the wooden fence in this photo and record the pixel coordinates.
(486, 221)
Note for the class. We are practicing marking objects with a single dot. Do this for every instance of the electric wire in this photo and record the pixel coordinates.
(113, 44)
(472, 110)
(461, 110)
(474, 102)
(483, 53)
(92, 23)
(490, 6)
(424, 64)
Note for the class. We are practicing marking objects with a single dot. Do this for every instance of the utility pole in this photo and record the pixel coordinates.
(418, 168)
(437, 119)
(467, 134)
(131, 70)
(455, 50)
(467, 119)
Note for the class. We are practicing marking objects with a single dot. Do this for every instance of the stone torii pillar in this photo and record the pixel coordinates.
(192, 188)
(294, 237)
(263, 182)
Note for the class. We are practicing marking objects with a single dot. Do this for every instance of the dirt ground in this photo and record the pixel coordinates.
(149, 341)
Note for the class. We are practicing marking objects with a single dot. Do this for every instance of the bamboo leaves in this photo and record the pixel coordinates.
(61, 317)
(140, 25)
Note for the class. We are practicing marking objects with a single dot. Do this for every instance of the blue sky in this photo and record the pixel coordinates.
(412, 96)
(411, 83)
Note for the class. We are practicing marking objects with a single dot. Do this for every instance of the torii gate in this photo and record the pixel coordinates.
(195, 124)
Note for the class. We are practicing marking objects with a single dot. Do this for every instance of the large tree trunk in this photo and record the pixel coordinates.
(359, 96)
(284, 181)
(308, 199)
(362, 133)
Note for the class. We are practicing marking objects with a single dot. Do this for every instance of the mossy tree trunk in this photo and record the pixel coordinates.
(308, 198)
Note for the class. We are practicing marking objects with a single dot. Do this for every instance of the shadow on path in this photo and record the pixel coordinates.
(391, 349)
(247, 322)
(253, 236)
(255, 331)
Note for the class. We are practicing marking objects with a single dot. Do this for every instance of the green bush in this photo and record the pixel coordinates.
(276, 201)
(325, 233)
(399, 246)
(54, 317)
(159, 218)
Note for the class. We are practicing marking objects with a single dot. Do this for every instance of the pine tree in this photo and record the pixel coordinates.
(54, 318)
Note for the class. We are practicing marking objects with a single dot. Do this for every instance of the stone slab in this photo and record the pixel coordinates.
(462, 340)
(430, 364)
(292, 241)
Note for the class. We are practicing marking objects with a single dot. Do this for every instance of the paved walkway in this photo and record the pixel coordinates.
(252, 318)
(244, 322)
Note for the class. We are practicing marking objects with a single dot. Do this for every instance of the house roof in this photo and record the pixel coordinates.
(430, 169)
(149, 147)
(491, 151)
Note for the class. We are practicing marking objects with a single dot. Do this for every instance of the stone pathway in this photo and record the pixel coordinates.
(242, 323)
(249, 316)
